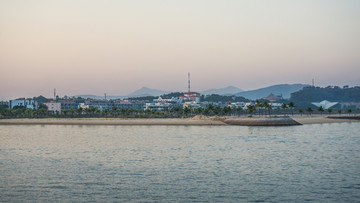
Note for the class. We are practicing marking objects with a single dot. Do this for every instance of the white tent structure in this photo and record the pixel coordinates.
(325, 104)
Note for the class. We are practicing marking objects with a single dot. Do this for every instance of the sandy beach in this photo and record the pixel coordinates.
(196, 121)
(111, 121)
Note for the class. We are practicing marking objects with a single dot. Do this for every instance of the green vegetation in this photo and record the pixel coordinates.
(151, 98)
(222, 98)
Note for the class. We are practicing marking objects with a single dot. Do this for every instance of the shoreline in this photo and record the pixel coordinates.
(110, 121)
(195, 121)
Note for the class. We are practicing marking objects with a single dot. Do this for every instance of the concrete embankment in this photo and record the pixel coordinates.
(269, 121)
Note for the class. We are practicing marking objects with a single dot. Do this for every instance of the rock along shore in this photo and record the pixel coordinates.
(267, 121)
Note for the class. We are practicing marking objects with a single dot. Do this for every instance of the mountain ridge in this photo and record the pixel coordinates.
(145, 91)
(284, 90)
(222, 91)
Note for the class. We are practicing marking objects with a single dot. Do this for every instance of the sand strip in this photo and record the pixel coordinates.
(105, 121)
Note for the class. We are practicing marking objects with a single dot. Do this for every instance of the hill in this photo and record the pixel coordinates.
(307, 95)
(145, 91)
(283, 89)
(222, 91)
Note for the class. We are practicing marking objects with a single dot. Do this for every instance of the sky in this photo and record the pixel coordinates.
(118, 46)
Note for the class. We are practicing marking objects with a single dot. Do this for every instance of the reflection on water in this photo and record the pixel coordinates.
(319, 163)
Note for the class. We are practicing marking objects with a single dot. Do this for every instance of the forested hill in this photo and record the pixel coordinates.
(330, 93)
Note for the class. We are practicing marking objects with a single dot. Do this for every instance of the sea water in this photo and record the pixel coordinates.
(63, 163)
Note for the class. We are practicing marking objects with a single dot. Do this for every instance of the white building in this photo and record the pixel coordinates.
(325, 104)
(191, 96)
(83, 106)
(192, 105)
(53, 106)
(27, 103)
(158, 106)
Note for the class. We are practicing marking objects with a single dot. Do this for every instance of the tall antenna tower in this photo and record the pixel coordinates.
(54, 93)
(188, 81)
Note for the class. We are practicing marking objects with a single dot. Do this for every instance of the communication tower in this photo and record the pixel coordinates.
(188, 81)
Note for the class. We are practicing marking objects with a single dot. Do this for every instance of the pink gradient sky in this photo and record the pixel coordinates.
(92, 47)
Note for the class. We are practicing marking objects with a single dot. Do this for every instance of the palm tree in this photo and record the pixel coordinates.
(329, 111)
(309, 110)
(339, 111)
(92, 110)
(258, 106)
(28, 112)
(321, 109)
(72, 111)
(114, 111)
(284, 107)
(97, 111)
(349, 111)
(80, 110)
(301, 111)
(227, 110)
(291, 106)
(268, 106)
(87, 111)
(64, 112)
(239, 109)
(186, 110)
(250, 109)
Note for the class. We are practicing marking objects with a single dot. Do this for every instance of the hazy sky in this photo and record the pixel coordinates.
(114, 46)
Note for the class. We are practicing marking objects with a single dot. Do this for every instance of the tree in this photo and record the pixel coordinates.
(72, 111)
(29, 113)
(301, 111)
(80, 110)
(291, 106)
(186, 110)
(218, 110)
(349, 111)
(284, 107)
(64, 112)
(227, 110)
(267, 106)
(258, 106)
(250, 109)
(239, 109)
(329, 111)
(321, 110)
(309, 110)
(339, 111)
(42, 111)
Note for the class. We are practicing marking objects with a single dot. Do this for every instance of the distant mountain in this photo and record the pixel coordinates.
(91, 96)
(145, 91)
(222, 91)
(283, 89)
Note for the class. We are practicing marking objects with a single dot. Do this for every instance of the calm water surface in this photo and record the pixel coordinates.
(319, 163)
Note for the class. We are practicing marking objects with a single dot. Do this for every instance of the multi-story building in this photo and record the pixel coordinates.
(191, 97)
(53, 106)
(27, 103)
(118, 104)
(68, 104)
(157, 106)
(129, 105)
(4, 103)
